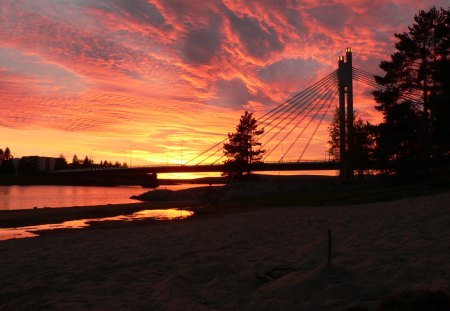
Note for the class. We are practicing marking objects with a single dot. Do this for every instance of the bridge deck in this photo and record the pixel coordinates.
(276, 166)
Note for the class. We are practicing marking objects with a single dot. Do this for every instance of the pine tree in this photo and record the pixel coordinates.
(6, 163)
(75, 162)
(412, 130)
(7, 154)
(363, 141)
(242, 148)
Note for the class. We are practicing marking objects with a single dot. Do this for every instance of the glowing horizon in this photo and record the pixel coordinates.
(158, 81)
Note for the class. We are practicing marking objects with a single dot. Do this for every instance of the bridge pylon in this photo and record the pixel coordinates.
(346, 117)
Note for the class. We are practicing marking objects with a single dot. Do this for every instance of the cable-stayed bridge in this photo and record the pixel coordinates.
(289, 129)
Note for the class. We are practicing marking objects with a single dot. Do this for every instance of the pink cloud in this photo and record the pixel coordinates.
(165, 71)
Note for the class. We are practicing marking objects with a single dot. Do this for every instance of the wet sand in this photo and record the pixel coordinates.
(256, 259)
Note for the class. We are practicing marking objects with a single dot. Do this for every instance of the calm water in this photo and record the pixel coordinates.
(32, 231)
(26, 197)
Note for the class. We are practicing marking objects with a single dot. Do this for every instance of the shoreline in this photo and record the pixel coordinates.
(268, 191)
(41, 216)
(258, 258)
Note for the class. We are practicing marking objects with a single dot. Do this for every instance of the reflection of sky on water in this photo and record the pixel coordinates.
(28, 197)
(28, 232)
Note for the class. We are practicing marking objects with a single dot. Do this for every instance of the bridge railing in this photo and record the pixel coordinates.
(173, 165)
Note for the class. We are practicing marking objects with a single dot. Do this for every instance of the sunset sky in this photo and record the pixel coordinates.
(156, 81)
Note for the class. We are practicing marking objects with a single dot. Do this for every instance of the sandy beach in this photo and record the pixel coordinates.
(256, 259)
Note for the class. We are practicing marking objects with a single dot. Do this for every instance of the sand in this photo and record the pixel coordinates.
(257, 259)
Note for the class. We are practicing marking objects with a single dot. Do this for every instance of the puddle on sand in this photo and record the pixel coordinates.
(29, 232)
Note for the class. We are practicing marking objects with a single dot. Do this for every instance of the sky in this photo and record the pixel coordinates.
(159, 81)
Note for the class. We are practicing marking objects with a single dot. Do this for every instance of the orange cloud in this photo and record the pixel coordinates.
(170, 77)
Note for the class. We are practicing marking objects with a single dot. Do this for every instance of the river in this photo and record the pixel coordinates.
(28, 197)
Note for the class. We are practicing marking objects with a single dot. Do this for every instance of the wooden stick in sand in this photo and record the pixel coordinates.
(329, 246)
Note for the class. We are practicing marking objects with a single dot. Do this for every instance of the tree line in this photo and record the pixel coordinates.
(28, 165)
(89, 163)
(414, 134)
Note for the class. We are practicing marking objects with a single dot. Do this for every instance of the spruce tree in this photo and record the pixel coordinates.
(242, 148)
(415, 100)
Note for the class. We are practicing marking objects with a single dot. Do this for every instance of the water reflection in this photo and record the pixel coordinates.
(30, 231)
(27, 197)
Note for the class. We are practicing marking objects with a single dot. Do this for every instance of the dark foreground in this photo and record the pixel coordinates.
(256, 259)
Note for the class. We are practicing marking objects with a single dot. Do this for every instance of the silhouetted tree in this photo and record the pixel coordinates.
(335, 138)
(440, 107)
(75, 162)
(87, 162)
(6, 163)
(242, 148)
(7, 154)
(363, 141)
(415, 132)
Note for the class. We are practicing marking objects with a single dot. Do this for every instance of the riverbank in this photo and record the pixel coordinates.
(266, 191)
(272, 258)
(40, 216)
(77, 180)
(103, 181)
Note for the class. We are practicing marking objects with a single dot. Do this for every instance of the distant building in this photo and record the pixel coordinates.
(36, 164)
(15, 162)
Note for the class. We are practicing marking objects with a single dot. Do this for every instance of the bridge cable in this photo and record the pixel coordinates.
(316, 106)
(416, 101)
(304, 128)
(268, 114)
(331, 99)
(370, 80)
(210, 156)
(288, 104)
(312, 104)
(293, 103)
(296, 102)
(299, 102)
(310, 99)
(410, 97)
(374, 77)
(207, 150)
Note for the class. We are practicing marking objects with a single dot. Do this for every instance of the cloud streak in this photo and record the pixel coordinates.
(155, 73)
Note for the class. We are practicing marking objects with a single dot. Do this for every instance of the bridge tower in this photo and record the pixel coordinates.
(346, 113)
